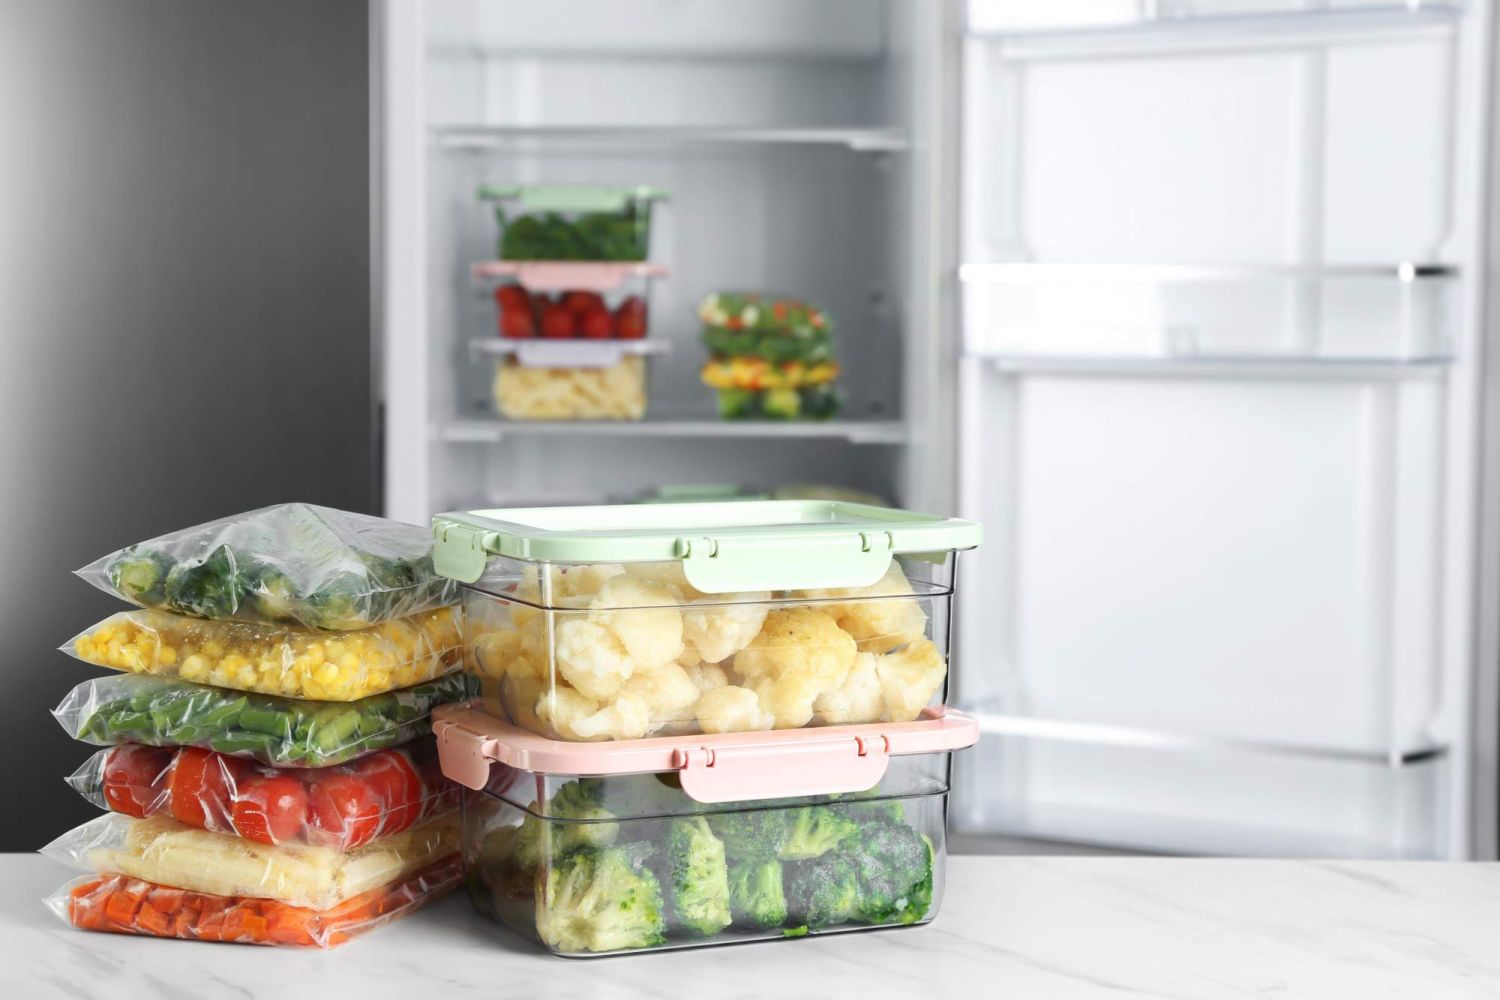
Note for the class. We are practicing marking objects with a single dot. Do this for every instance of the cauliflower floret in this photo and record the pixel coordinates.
(493, 652)
(668, 691)
(575, 717)
(788, 698)
(731, 710)
(591, 658)
(877, 625)
(529, 590)
(689, 657)
(707, 676)
(802, 641)
(668, 575)
(519, 693)
(860, 699)
(909, 678)
(585, 581)
(643, 616)
(720, 631)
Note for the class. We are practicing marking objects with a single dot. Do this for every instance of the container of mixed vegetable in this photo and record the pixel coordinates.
(770, 357)
(266, 771)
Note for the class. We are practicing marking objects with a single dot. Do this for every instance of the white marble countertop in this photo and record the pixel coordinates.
(1011, 928)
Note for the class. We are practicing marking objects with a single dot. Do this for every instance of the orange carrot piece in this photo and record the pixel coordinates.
(121, 908)
(154, 922)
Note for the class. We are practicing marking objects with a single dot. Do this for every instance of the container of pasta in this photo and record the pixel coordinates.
(622, 622)
(685, 841)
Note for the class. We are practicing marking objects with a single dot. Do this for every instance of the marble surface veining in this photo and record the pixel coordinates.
(1010, 929)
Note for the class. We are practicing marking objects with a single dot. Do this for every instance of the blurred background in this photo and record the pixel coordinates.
(1186, 301)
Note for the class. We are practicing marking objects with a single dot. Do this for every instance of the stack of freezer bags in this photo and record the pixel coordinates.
(269, 771)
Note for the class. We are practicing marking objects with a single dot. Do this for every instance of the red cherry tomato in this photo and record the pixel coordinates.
(582, 303)
(134, 777)
(630, 319)
(509, 297)
(395, 781)
(517, 323)
(597, 324)
(270, 808)
(200, 787)
(557, 322)
(343, 810)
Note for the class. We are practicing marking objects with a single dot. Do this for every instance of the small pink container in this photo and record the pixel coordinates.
(684, 841)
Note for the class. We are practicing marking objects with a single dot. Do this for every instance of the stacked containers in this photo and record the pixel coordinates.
(268, 772)
(703, 722)
(770, 357)
(572, 303)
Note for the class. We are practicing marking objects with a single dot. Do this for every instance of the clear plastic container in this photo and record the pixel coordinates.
(599, 623)
(345, 806)
(169, 853)
(119, 904)
(673, 842)
(573, 222)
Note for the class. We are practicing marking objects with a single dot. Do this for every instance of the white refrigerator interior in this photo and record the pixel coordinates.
(1219, 412)
(796, 142)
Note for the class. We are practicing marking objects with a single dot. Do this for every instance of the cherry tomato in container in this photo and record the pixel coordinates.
(582, 303)
(134, 777)
(558, 322)
(597, 324)
(630, 319)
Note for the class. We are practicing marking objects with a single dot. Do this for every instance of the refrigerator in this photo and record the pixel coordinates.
(1183, 301)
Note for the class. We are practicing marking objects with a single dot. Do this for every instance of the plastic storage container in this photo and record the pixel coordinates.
(596, 623)
(687, 841)
(346, 806)
(573, 222)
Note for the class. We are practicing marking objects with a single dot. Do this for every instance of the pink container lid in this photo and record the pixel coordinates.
(566, 275)
(724, 767)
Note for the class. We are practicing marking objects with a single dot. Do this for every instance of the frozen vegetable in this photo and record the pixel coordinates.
(635, 650)
(345, 806)
(618, 236)
(698, 879)
(274, 659)
(120, 904)
(162, 850)
(764, 865)
(617, 392)
(525, 314)
(277, 731)
(290, 564)
(809, 402)
(771, 328)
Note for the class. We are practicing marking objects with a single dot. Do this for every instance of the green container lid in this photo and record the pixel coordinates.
(572, 197)
(724, 546)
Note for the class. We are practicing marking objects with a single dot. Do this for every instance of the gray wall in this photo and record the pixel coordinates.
(184, 308)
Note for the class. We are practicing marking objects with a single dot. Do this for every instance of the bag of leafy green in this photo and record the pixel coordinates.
(282, 732)
(291, 564)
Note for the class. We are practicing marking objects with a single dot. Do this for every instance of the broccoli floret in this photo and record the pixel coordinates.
(822, 892)
(755, 894)
(600, 899)
(588, 822)
(894, 864)
(140, 576)
(698, 877)
(867, 809)
(272, 594)
(208, 588)
(813, 831)
(754, 835)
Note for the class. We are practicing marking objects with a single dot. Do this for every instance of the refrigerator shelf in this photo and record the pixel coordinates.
(856, 139)
(1058, 31)
(1373, 317)
(481, 431)
(1100, 734)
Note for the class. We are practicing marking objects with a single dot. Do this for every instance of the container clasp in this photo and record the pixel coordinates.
(774, 771)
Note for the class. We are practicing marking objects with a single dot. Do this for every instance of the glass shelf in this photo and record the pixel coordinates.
(1063, 314)
(858, 139)
(483, 431)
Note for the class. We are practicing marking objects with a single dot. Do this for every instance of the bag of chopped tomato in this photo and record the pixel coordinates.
(120, 904)
(343, 807)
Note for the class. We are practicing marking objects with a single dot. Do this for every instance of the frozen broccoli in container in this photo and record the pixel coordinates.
(290, 564)
(600, 899)
(756, 897)
(699, 877)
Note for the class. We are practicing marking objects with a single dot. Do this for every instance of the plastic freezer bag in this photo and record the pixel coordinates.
(293, 563)
(169, 853)
(274, 659)
(120, 904)
(284, 732)
(345, 806)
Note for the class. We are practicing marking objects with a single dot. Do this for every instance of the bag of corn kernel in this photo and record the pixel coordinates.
(290, 564)
(271, 659)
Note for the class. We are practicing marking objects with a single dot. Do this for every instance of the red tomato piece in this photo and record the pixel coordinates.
(343, 810)
(200, 787)
(630, 319)
(396, 783)
(582, 303)
(271, 809)
(557, 322)
(134, 777)
(517, 323)
(509, 297)
(597, 324)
